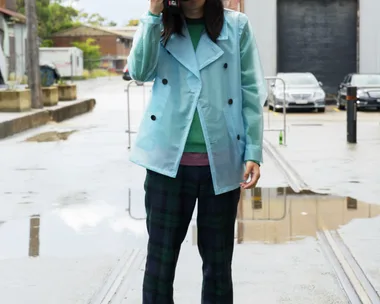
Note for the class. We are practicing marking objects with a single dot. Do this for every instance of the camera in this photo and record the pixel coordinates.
(171, 3)
(173, 6)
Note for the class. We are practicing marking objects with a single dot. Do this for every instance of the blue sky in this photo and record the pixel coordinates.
(119, 11)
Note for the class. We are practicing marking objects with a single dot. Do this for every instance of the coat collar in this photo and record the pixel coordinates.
(207, 51)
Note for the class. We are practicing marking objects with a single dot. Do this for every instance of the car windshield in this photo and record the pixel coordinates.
(365, 80)
(297, 80)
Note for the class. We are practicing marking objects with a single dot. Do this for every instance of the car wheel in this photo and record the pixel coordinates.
(321, 110)
(340, 105)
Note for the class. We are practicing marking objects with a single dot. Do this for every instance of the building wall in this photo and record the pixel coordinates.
(20, 35)
(122, 49)
(10, 4)
(107, 43)
(263, 16)
(369, 36)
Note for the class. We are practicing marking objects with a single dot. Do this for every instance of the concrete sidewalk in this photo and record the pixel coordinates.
(326, 163)
(13, 123)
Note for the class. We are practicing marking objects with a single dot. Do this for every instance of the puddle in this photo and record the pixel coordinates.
(279, 215)
(75, 228)
(82, 226)
(50, 136)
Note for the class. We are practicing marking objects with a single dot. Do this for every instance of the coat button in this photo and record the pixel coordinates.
(225, 65)
(238, 137)
(230, 101)
(165, 81)
(153, 117)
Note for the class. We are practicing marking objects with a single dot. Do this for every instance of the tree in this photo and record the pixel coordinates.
(57, 15)
(112, 23)
(52, 17)
(91, 53)
(133, 22)
(93, 19)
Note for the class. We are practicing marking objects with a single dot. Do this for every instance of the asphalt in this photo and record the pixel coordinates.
(72, 214)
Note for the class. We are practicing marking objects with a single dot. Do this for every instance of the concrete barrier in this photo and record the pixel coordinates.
(41, 117)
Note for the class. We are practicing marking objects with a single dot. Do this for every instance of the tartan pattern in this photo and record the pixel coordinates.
(170, 203)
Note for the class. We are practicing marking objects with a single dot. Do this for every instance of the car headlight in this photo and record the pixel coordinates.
(282, 96)
(362, 94)
(319, 95)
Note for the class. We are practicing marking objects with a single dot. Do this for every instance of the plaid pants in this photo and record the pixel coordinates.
(170, 203)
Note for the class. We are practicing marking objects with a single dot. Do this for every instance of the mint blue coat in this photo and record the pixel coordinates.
(223, 81)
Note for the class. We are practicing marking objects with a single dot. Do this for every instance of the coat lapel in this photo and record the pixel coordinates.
(181, 48)
(208, 51)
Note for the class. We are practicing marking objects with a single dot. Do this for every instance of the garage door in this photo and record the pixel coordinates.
(318, 36)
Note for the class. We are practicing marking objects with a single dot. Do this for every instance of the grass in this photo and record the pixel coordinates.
(96, 73)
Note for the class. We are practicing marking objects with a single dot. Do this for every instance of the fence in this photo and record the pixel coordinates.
(271, 101)
(268, 128)
(127, 90)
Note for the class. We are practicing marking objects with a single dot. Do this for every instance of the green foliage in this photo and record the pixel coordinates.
(91, 53)
(133, 22)
(53, 17)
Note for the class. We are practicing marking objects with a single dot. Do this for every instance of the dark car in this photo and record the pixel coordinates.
(368, 91)
(128, 77)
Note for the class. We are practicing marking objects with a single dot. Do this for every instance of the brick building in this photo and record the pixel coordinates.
(115, 44)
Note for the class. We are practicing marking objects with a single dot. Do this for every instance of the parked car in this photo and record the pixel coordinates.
(368, 90)
(302, 91)
(127, 76)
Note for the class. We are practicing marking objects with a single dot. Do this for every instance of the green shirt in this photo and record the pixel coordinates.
(195, 140)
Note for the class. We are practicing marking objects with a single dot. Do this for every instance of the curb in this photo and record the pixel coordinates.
(116, 285)
(294, 179)
(42, 117)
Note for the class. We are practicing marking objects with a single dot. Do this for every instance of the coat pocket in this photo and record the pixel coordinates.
(235, 137)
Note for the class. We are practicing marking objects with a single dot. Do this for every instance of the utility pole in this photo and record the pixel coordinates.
(34, 77)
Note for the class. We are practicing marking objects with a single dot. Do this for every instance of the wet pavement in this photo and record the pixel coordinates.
(72, 219)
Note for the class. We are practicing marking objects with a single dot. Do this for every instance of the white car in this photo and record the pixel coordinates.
(302, 91)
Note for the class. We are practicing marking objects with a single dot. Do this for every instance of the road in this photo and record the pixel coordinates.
(72, 220)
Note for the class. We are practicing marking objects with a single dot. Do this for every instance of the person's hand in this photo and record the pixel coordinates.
(156, 6)
(252, 170)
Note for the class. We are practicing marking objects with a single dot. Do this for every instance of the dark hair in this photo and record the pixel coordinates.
(213, 16)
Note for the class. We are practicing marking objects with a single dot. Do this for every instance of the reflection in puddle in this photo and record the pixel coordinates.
(77, 226)
(51, 136)
(279, 215)
(34, 237)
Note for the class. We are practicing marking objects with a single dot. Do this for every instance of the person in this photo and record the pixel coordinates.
(203, 125)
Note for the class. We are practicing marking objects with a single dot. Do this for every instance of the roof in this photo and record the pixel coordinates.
(17, 16)
(88, 30)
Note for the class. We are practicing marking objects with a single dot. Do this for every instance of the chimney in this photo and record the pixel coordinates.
(2, 3)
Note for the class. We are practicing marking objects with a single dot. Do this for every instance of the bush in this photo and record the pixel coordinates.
(97, 73)
(91, 53)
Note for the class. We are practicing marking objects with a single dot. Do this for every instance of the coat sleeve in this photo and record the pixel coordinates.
(143, 58)
(254, 92)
